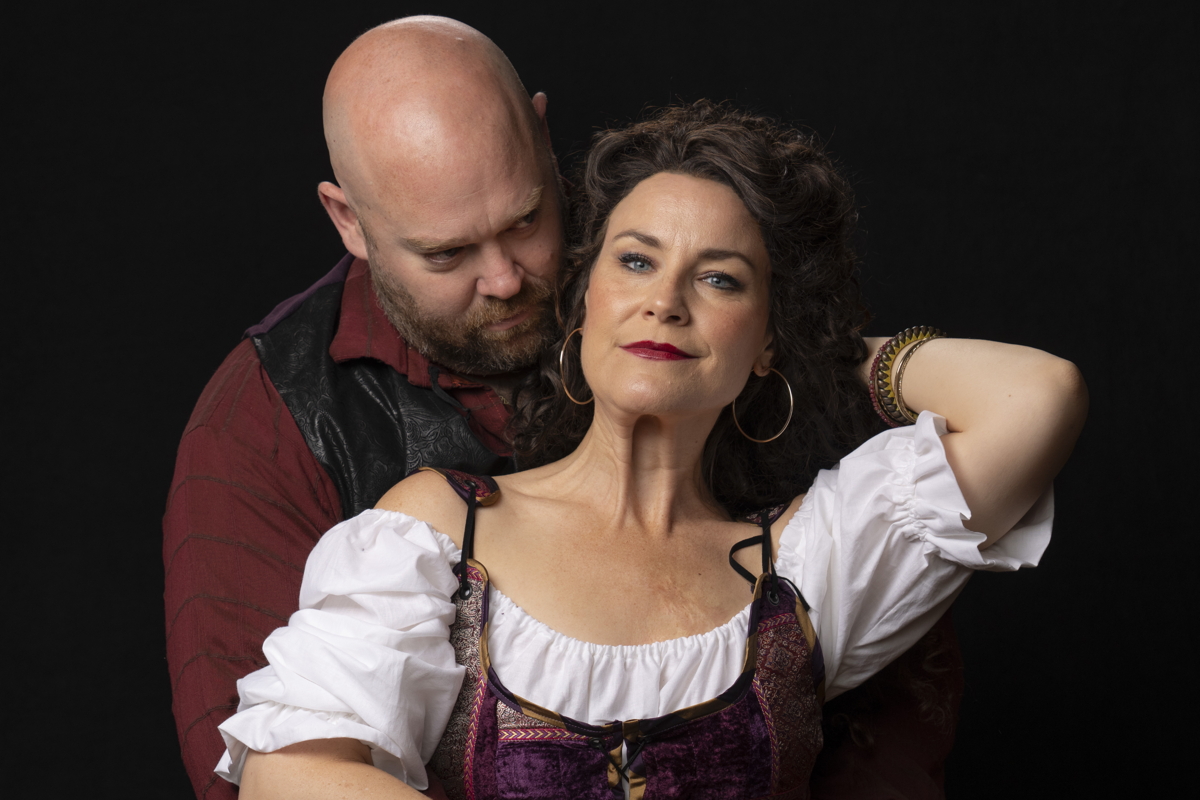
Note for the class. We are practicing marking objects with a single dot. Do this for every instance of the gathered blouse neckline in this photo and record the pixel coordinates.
(735, 626)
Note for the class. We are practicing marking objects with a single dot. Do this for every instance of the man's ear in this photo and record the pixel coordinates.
(540, 102)
(343, 216)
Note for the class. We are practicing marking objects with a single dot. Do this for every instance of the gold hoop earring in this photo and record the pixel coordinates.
(563, 375)
(791, 409)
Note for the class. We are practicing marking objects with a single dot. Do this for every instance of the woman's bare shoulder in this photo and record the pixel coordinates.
(428, 497)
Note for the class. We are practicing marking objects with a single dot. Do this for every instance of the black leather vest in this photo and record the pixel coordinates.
(363, 421)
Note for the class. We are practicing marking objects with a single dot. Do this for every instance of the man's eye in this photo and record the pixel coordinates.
(443, 256)
(635, 262)
(721, 280)
(526, 221)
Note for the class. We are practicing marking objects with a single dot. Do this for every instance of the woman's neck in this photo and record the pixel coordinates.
(641, 473)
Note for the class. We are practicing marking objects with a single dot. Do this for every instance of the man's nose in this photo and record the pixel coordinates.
(500, 276)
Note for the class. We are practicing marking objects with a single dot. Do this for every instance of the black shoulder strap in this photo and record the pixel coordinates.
(475, 491)
(763, 539)
(765, 519)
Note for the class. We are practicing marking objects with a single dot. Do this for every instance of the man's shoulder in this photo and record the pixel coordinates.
(334, 278)
(239, 388)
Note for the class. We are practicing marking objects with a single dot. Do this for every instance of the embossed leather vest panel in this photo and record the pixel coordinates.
(363, 421)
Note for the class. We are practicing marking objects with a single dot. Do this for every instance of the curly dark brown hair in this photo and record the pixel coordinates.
(805, 212)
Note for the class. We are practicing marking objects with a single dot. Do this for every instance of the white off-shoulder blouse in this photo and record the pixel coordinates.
(878, 549)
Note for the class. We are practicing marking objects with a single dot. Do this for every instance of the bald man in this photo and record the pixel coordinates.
(448, 202)
(447, 188)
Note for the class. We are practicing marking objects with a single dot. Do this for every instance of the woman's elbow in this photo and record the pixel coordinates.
(1054, 425)
(1065, 395)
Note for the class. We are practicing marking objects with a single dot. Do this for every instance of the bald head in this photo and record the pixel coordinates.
(411, 99)
(448, 188)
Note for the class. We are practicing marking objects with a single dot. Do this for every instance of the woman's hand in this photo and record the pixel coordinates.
(324, 769)
(1013, 414)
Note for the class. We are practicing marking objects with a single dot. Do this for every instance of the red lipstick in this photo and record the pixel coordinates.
(656, 351)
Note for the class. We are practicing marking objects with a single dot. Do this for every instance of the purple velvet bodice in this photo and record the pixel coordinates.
(759, 738)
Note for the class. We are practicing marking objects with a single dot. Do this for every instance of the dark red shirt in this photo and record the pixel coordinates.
(247, 504)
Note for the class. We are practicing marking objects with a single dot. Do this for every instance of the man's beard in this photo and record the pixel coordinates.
(464, 344)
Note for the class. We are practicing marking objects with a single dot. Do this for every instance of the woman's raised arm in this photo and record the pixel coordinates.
(1013, 415)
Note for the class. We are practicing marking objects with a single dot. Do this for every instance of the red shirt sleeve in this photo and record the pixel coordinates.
(247, 504)
(909, 713)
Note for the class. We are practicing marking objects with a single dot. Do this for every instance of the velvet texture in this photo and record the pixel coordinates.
(757, 742)
(548, 770)
(723, 756)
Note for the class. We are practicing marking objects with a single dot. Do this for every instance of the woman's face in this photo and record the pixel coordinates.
(677, 303)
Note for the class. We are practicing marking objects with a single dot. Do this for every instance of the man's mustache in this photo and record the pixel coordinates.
(533, 293)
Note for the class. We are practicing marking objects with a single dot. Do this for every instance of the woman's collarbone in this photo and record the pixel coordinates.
(609, 598)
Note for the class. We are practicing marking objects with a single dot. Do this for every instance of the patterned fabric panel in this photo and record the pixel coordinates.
(510, 720)
(542, 734)
(785, 688)
(450, 756)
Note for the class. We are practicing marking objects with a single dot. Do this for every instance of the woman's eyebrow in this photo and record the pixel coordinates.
(714, 254)
(710, 254)
(644, 238)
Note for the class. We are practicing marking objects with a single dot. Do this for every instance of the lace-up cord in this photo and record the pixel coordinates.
(768, 566)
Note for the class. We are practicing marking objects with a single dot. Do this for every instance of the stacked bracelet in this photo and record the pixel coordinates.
(885, 379)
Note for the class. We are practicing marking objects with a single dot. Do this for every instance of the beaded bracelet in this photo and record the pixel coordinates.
(885, 391)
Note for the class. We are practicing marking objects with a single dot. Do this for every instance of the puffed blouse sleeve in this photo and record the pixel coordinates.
(367, 656)
(879, 549)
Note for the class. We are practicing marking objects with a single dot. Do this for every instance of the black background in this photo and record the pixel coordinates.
(1026, 171)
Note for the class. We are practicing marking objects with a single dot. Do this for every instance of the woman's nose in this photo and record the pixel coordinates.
(667, 303)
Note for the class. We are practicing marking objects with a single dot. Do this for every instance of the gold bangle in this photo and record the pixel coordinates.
(881, 384)
(909, 416)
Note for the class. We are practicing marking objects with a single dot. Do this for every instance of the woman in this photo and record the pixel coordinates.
(711, 365)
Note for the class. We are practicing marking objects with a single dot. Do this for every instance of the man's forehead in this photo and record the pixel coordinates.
(474, 217)
(437, 151)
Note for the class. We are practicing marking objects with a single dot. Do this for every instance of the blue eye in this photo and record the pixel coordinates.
(636, 262)
(720, 280)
